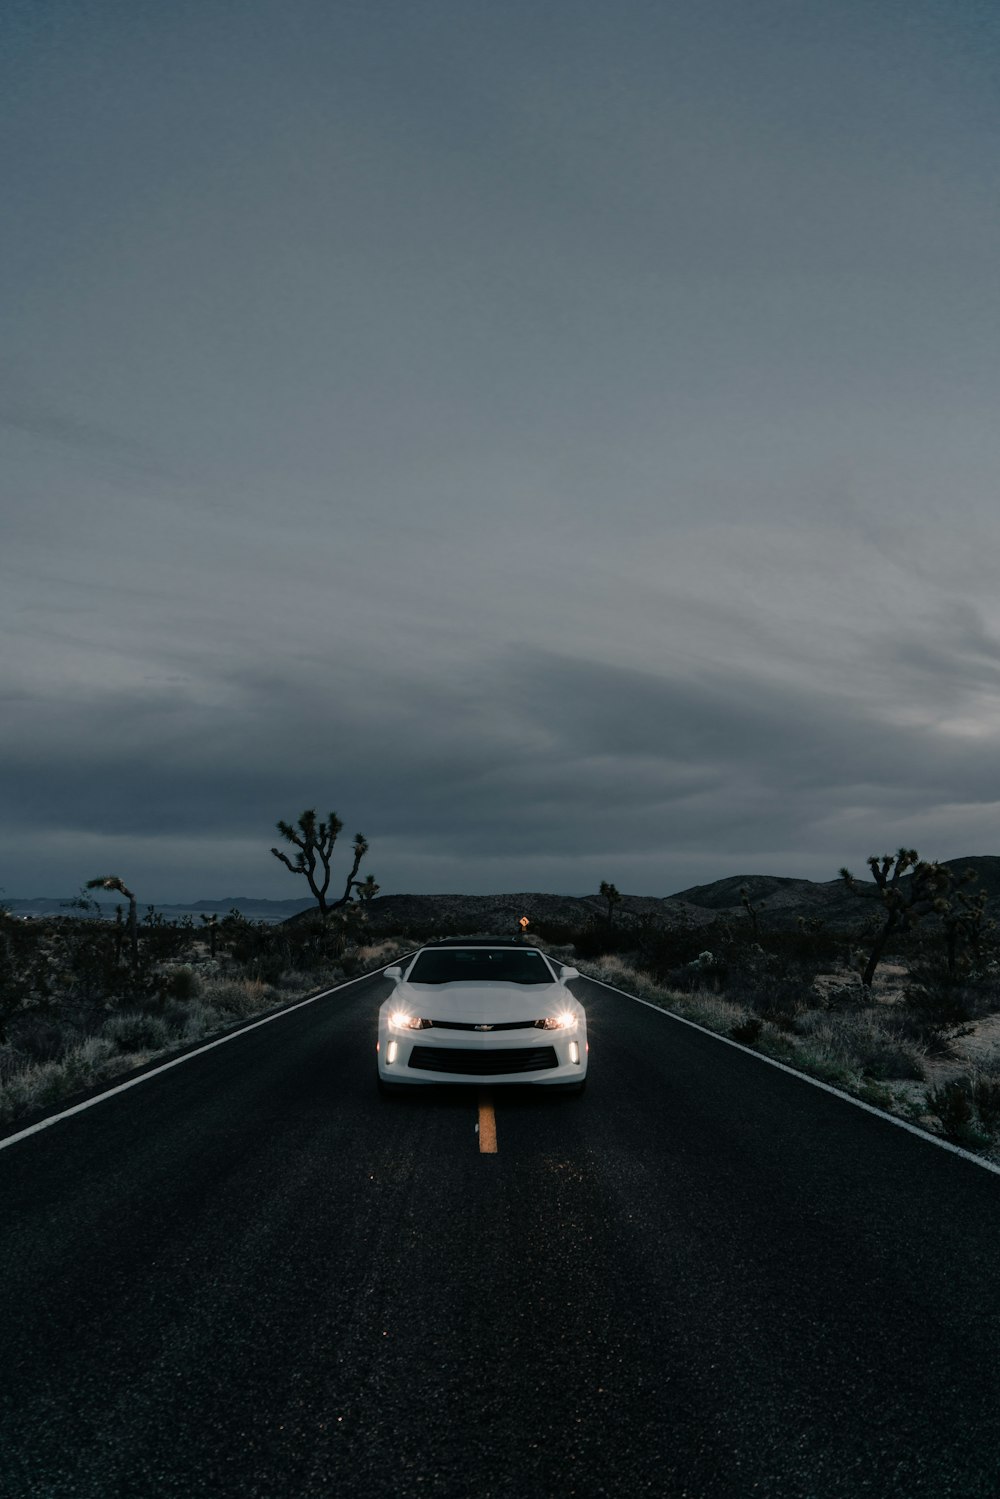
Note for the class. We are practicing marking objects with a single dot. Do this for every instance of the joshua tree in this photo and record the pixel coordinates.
(112, 882)
(212, 923)
(965, 920)
(314, 841)
(613, 898)
(367, 889)
(751, 910)
(927, 890)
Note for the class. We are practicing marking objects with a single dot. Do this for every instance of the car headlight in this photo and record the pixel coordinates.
(401, 1021)
(564, 1021)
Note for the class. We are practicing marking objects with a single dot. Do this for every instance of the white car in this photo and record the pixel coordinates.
(481, 1012)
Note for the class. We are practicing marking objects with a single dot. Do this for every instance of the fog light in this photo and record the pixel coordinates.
(574, 1051)
(393, 1051)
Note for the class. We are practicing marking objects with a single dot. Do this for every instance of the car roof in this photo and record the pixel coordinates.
(515, 942)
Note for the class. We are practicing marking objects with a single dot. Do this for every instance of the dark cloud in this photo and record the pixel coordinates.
(26, 412)
(552, 437)
(959, 658)
(563, 760)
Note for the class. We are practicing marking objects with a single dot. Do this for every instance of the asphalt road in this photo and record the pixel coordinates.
(252, 1276)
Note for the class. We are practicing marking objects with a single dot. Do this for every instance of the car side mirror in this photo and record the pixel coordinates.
(395, 972)
(570, 973)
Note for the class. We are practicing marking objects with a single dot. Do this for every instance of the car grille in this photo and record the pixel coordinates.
(483, 1063)
(469, 1025)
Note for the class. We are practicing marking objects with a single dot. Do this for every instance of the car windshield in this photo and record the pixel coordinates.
(463, 965)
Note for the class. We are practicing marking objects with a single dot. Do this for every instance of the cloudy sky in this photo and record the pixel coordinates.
(561, 438)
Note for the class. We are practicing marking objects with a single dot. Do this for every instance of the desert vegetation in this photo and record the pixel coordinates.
(83, 1001)
(314, 844)
(892, 995)
(902, 1009)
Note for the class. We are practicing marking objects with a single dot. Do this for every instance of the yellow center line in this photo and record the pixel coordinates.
(487, 1125)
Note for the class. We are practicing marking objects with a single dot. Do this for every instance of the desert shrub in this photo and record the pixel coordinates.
(81, 1063)
(40, 1037)
(562, 952)
(875, 1093)
(11, 1061)
(181, 983)
(295, 980)
(986, 1097)
(136, 1031)
(748, 1031)
(597, 938)
(25, 972)
(705, 971)
(892, 1057)
(82, 959)
(774, 1042)
(21, 1093)
(615, 970)
(174, 1014)
(937, 1001)
(821, 1066)
(41, 1084)
(937, 998)
(163, 941)
(373, 955)
(953, 1105)
(811, 944)
(200, 1020)
(770, 988)
(867, 1042)
(667, 952)
(848, 994)
(714, 1011)
(73, 1014)
(238, 998)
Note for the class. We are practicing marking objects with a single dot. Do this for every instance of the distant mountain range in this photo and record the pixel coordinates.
(779, 900)
(252, 907)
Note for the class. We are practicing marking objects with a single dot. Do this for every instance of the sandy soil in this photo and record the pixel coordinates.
(979, 1047)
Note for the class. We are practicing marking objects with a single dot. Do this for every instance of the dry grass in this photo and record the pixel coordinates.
(239, 999)
(716, 1011)
(375, 954)
(865, 1049)
(866, 1042)
(37, 1085)
(131, 1038)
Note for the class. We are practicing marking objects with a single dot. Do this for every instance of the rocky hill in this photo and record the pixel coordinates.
(502, 913)
(779, 902)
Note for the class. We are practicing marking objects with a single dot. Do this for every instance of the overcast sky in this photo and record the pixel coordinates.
(561, 438)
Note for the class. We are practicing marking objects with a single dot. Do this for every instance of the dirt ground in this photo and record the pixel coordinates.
(978, 1047)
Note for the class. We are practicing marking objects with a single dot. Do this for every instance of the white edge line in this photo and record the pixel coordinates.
(133, 1082)
(804, 1077)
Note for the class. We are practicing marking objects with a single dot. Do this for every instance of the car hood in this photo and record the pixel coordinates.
(480, 1003)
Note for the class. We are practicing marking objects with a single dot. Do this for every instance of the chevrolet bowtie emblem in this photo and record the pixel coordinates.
(484, 1027)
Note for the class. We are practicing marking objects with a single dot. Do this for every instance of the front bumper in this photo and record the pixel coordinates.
(546, 1058)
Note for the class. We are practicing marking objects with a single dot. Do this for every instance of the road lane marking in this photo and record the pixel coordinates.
(133, 1082)
(814, 1082)
(487, 1125)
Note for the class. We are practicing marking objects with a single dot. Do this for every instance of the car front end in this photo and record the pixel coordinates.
(482, 1030)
